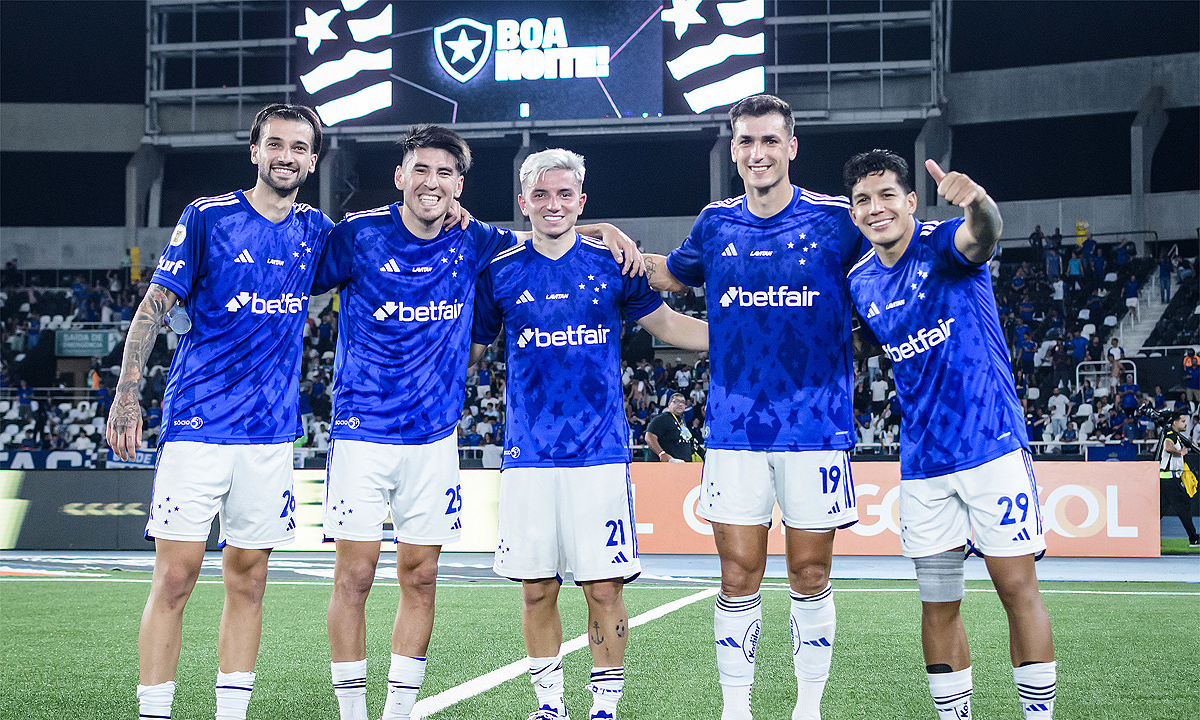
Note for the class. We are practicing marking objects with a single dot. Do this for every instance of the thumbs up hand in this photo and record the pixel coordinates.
(957, 188)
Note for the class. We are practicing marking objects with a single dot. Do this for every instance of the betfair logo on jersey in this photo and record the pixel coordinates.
(431, 312)
(922, 342)
(287, 304)
(171, 266)
(581, 335)
(771, 297)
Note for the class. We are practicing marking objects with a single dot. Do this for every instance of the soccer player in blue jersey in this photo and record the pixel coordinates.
(243, 265)
(565, 496)
(407, 288)
(926, 292)
(779, 415)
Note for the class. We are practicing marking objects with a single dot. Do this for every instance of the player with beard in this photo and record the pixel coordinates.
(243, 264)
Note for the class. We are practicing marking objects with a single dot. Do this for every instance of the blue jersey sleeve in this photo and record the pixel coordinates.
(337, 259)
(638, 299)
(486, 324)
(943, 244)
(490, 240)
(686, 262)
(182, 262)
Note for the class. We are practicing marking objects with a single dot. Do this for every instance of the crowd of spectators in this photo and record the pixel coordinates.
(1058, 307)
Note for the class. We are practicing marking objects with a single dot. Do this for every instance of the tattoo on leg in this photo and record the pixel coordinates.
(622, 628)
(651, 266)
(594, 635)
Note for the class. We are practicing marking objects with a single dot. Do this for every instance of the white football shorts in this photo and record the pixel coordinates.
(814, 488)
(418, 484)
(249, 486)
(997, 501)
(577, 517)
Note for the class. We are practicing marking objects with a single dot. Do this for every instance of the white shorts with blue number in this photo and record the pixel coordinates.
(417, 484)
(814, 488)
(997, 501)
(249, 486)
(577, 517)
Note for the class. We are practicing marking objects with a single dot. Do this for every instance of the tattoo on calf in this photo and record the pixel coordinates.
(622, 627)
(595, 635)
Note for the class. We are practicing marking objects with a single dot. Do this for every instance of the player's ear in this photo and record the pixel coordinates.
(793, 147)
(459, 186)
(400, 178)
(521, 204)
(312, 164)
(253, 153)
(582, 200)
(911, 199)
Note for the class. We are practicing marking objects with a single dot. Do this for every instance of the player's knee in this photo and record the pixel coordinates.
(173, 584)
(535, 594)
(249, 587)
(940, 577)
(605, 594)
(420, 578)
(808, 578)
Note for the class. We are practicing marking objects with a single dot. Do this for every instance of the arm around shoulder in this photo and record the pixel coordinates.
(659, 275)
(676, 329)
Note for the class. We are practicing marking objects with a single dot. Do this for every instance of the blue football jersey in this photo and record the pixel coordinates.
(245, 281)
(935, 315)
(404, 324)
(562, 333)
(779, 321)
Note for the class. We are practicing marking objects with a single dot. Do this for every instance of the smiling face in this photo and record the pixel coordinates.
(553, 202)
(284, 154)
(762, 148)
(429, 180)
(883, 211)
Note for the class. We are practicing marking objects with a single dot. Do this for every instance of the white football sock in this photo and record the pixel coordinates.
(814, 622)
(952, 694)
(154, 701)
(404, 682)
(350, 687)
(737, 623)
(1036, 686)
(546, 674)
(233, 694)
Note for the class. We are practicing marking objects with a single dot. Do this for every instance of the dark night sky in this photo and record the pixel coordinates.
(92, 52)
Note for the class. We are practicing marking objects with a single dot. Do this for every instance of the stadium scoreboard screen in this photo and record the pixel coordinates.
(371, 63)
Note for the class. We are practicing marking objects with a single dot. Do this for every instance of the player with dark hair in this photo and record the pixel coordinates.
(565, 497)
(779, 415)
(926, 292)
(243, 264)
(407, 288)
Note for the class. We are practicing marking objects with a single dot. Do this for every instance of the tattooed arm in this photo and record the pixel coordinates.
(659, 277)
(125, 417)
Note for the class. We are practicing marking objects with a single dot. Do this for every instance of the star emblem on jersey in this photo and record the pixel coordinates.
(525, 297)
(791, 245)
(244, 257)
(921, 295)
(922, 273)
(390, 266)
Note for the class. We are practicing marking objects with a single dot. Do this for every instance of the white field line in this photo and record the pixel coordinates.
(483, 683)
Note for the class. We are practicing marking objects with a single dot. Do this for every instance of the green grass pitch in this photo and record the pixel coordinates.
(1126, 651)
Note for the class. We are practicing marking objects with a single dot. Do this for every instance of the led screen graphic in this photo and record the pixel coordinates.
(384, 63)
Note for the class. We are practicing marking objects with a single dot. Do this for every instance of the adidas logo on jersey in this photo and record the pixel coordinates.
(872, 311)
(457, 524)
(619, 558)
(431, 312)
(244, 257)
(287, 304)
(924, 340)
(525, 297)
(729, 251)
(1023, 535)
(581, 335)
(390, 266)
(771, 297)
